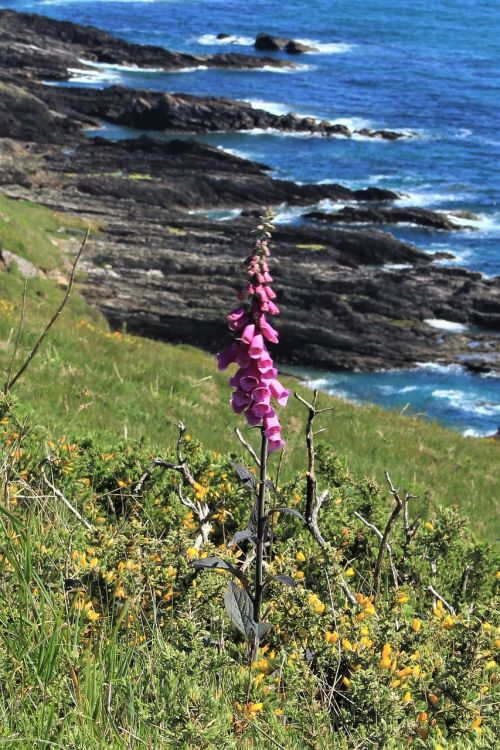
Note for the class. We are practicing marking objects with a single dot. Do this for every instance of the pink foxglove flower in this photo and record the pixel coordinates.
(255, 382)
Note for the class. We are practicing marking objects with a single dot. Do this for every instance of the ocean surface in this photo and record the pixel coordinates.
(429, 67)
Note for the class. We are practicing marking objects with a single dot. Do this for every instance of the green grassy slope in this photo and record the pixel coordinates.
(90, 380)
(110, 639)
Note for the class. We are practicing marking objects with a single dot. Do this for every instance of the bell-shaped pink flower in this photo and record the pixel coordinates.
(227, 356)
(257, 346)
(268, 376)
(261, 401)
(248, 333)
(240, 401)
(271, 425)
(254, 420)
(275, 445)
(238, 318)
(268, 331)
(271, 308)
(255, 382)
(249, 383)
(280, 393)
(265, 362)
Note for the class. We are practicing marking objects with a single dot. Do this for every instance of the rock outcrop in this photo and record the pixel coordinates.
(389, 215)
(44, 48)
(164, 267)
(270, 43)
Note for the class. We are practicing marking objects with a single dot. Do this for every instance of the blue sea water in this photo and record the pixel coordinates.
(429, 67)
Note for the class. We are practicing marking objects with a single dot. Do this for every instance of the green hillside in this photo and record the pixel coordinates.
(89, 380)
(110, 637)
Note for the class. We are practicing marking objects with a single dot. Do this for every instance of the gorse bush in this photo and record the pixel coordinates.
(111, 638)
(380, 626)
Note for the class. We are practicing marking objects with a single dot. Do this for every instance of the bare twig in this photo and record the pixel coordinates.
(247, 445)
(313, 501)
(201, 510)
(18, 338)
(66, 502)
(278, 469)
(465, 579)
(311, 483)
(53, 319)
(385, 536)
(409, 529)
(381, 537)
(431, 590)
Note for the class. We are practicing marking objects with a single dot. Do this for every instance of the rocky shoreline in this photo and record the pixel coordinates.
(352, 297)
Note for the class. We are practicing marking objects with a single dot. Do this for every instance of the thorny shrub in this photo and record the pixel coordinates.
(411, 666)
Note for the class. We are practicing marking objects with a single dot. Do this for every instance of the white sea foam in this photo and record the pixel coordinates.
(487, 224)
(218, 214)
(328, 386)
(353, 123)
(466, 402)
(236, 39)
(425, 197)
(438, 368)
(121, 68)
(281, 133)
(191, 69)
(274, 108)
(477, 433)
(81, 75)
(326, 48)
(445, 325)
(322, 48)
(234, 152)
(288, 214)
(276, 69)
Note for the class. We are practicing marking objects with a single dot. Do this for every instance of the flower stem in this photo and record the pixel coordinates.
(261, 525)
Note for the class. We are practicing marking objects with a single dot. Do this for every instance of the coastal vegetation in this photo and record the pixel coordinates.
(112, 384)
(322, 577)
(112, 639)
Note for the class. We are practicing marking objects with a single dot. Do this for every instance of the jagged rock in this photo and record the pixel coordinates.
(385, 215)
(24, 116)
(166, 270)
(45, 48)
(270, 43)
(151, 110)
(297, 48)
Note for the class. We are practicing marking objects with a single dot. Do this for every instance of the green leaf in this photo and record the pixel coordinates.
(217, 563)
(239, 607)
(245, 475)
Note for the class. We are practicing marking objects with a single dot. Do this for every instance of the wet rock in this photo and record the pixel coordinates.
(156, 111)
(270, 43)
(297, 48)
(45, 48)
(386, 215)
